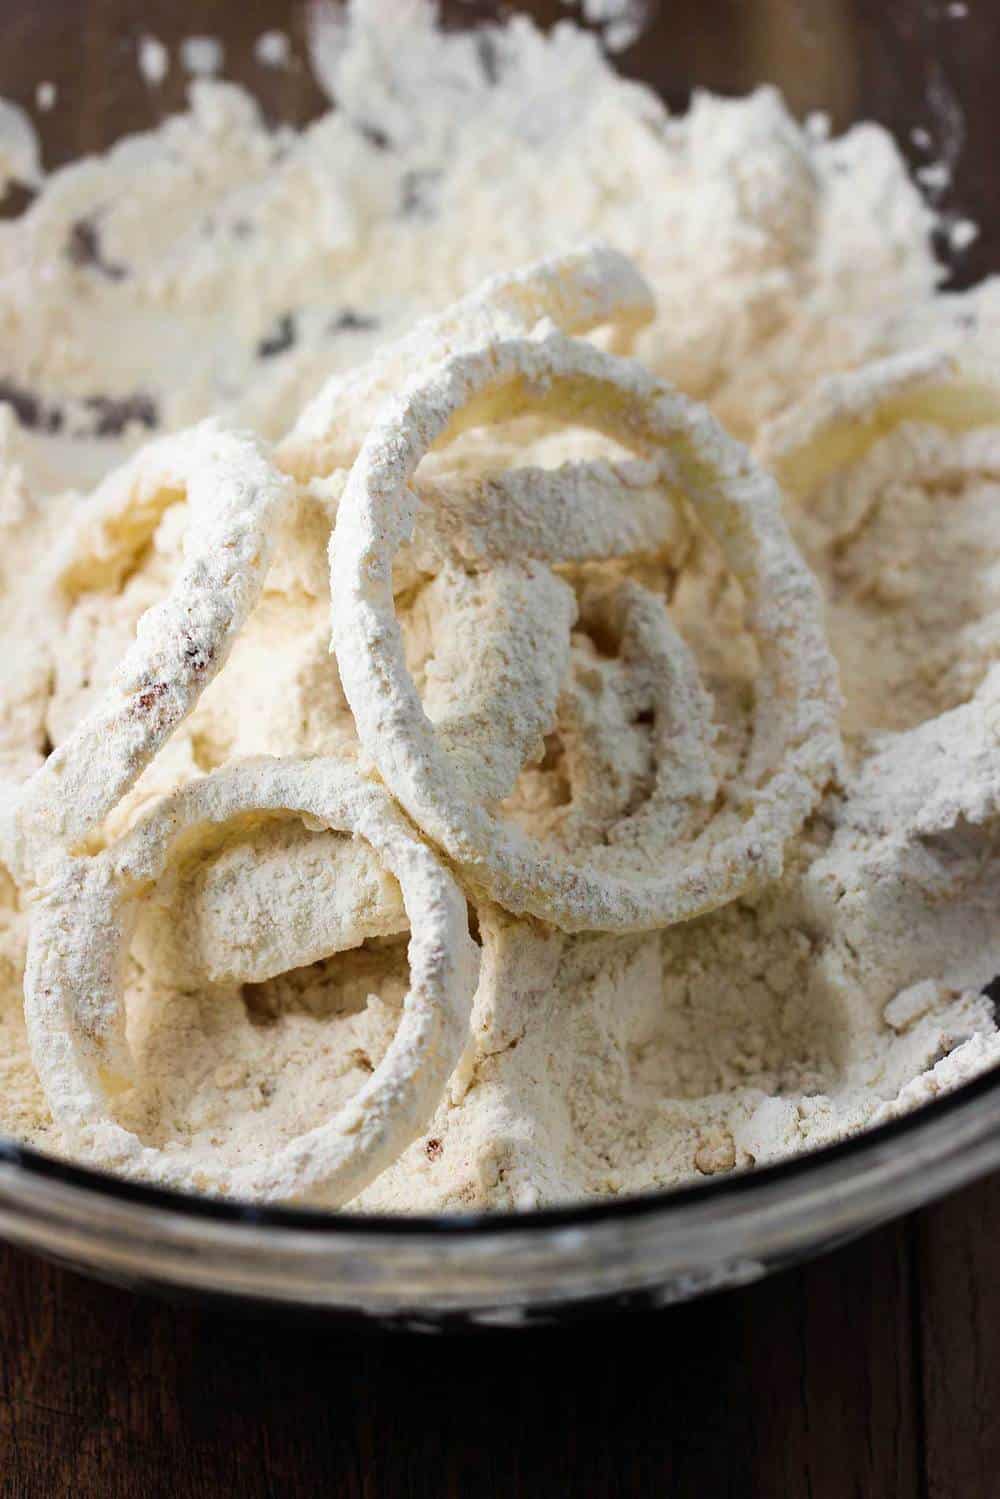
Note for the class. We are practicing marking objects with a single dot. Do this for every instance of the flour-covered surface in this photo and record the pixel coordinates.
(219, 268)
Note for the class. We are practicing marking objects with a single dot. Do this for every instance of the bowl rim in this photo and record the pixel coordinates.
(667, 1203)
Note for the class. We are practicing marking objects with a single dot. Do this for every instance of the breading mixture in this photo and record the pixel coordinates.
(221, 268)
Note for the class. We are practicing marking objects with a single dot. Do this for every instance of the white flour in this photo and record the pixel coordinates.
(216, 267)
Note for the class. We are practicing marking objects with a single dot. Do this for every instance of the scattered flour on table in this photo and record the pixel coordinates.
(238, 265)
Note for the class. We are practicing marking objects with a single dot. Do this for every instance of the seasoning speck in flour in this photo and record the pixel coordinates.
(640, 822)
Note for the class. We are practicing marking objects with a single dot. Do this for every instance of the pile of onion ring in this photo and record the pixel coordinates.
(520, 561)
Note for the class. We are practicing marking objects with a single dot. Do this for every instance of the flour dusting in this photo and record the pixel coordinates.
(223, 269)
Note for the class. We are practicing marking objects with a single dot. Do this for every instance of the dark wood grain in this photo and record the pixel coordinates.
(870, 1374)
(959, 1253)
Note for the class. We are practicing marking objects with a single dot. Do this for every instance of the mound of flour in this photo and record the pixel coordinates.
(222, 266)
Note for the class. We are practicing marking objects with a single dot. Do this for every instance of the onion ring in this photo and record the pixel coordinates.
(289, 897)
(795, 747)
(73, 1004)
(846, 415)
(873, 461)
(181, 644)
(577, 292)
(590, 511)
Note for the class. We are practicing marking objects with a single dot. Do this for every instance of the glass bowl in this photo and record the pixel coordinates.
(916, 67)
(510, 1270)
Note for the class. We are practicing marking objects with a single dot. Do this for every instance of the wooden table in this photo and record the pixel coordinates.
(871, 1374)
(874, 1372)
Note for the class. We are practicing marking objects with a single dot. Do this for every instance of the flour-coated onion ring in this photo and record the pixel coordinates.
(884, 465)
(577, 292)
(845, 416)
(795, 746)
(284, 898)
(590, 511)
(80, 928)
(235, 496)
